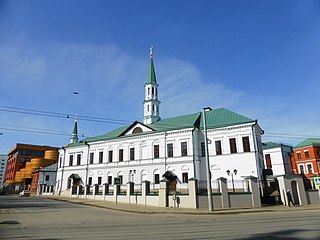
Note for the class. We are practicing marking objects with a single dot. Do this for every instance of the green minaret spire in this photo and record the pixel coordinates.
(74, 137)
(152, 73)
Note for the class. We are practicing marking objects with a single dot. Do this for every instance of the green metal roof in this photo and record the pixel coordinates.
(152, 73)
(215, 119)
(309, 142)
(222, 117)
(270, 145)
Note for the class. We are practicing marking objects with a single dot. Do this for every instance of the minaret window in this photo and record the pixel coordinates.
(148, 108)
(156, 91)
(153, 108)
(153, 91)
(148, 91)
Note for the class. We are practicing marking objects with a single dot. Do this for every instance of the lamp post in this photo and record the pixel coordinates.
(235, 173)
(208, 173)
(131, 175)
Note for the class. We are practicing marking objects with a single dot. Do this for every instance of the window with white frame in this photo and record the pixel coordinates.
(301, 168)
(310, 168)
(91, 157)
(184, 149)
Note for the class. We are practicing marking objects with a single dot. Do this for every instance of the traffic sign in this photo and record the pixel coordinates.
(317, 181)
(117, 181)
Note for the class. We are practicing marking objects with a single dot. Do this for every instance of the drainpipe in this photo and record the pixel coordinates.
(87, 165)
(256, 154)
(165, 152)
(64, 159)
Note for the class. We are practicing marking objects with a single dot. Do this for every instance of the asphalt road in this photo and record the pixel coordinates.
(39, 218)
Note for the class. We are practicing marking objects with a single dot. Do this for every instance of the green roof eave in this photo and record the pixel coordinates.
(309, 142)
(217, 118)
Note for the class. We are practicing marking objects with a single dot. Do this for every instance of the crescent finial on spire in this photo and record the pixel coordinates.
(151, 49)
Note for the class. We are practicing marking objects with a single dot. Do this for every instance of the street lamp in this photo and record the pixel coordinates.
(131, 174)
(209, 189)
(235, 173)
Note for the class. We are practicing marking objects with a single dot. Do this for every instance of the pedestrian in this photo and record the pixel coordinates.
(289, 197)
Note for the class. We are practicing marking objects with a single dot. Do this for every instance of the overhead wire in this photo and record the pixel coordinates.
(110, 121)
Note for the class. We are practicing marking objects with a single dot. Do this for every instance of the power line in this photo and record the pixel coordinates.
(61, 115)
(120, 121)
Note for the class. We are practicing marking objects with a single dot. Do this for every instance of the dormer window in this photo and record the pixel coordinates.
(137, 130)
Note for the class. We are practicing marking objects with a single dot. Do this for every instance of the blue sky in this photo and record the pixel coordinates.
(257, 58)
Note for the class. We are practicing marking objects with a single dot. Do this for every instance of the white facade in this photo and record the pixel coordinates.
(3, 166)
(145, 165)
(279, 155)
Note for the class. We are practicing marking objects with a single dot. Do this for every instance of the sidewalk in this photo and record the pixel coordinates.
(136, 208)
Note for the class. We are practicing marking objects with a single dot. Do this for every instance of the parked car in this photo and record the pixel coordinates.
(24, 193)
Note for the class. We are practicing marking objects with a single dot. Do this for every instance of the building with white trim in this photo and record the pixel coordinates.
(152, 149)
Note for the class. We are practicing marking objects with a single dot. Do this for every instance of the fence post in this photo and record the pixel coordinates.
(163, 193)
(130, 189)
(192, 185)
(95, 190)
(86, 190)
(223, 188)
(145, 191)
(254, 189)
(105, 190)
(78, 191)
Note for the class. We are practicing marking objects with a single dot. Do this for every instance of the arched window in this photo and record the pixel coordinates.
(137, 130)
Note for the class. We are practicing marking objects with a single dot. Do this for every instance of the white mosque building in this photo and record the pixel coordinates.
(159, 148)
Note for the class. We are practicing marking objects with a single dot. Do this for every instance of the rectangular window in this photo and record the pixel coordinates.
(310, 169)
(120, 155)
(110, 180)
(156, 178)
(185, 177)
(184, 149)
(156, 151)
(60, 162)
(299, 155)
(233, 145)
(110, 156)
(203, 149)
(100, 157)
(47, 177)
(301, 169)
(91, 157)
(131, 154)
(306, 153)
(78, 159)
(170, 149)
(218, 147)
(99, 180)
(268, 161)
(90, 181)
(246, 144)
(70, 160)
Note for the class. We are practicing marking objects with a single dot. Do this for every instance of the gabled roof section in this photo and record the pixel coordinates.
(136, 128)
(309, 142)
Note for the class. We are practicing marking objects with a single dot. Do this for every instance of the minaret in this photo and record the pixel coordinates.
(151, 102)
(74, 137)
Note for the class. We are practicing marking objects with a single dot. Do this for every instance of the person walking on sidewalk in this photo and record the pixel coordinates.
(289, 197)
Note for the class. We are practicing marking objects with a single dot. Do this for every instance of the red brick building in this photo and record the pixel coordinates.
(306, 158)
